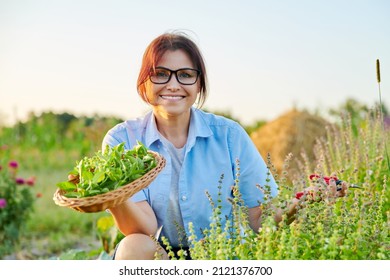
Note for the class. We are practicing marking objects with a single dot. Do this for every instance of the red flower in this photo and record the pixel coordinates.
(20, 181)
(13, 164)
(3, 203)
(31, 181)
(38, 195)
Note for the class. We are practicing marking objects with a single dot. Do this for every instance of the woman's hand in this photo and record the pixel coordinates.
(322, 190)
(73, 178)
(325, 190)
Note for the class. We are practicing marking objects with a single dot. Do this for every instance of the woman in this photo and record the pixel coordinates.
(199, 148)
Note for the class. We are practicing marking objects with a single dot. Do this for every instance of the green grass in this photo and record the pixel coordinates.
(52, 229)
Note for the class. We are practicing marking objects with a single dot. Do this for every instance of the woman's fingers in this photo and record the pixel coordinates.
(326, 190)
(73, 178)
(344, 188)
(332, 188)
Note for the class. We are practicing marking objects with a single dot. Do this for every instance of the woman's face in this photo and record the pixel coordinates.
(172, 99)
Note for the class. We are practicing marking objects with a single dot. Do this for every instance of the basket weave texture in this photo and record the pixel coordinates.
(113, 198)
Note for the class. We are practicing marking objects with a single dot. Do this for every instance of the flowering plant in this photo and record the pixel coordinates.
(16, 204)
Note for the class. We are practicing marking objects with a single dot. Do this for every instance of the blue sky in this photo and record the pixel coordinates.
(263, 57)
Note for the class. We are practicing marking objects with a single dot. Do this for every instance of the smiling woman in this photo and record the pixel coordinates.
(198, 147)
(173, 81)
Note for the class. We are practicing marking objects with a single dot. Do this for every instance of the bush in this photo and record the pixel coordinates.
(16, 205)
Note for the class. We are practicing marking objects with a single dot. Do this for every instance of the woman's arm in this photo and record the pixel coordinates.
(255, 214)
(131, 217)
(135, 217)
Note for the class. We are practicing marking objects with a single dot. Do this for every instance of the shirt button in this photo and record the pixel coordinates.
(184, 198)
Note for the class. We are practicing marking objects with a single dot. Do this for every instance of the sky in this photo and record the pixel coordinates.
(263, 57)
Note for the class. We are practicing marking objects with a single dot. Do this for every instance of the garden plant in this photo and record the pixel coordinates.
(16, 204)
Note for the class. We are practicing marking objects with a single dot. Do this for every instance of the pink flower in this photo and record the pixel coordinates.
(3, 203)
(13, 164)
(20, 181)
(31, 181)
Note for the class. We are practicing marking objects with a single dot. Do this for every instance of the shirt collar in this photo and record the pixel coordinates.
(151, 132)
(198, 125)
(198, 128)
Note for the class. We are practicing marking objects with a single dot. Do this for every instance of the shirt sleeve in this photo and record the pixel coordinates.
(254, 177)
(115, 136)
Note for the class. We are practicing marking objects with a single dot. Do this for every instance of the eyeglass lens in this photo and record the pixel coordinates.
(185, 76)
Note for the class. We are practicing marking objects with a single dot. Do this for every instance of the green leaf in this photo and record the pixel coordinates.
(105, 190)
(98, 177)
(73, 194)
(87, 175)
(94, 192)
(66, 186)
(105, 223)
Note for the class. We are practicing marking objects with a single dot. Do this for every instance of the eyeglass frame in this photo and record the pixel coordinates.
(198, 72)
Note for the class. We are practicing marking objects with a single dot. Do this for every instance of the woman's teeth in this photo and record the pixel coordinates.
(171, 97)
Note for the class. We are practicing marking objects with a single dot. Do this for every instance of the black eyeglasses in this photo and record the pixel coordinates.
(185, 76)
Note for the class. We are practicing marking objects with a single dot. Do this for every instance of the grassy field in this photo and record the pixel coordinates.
(53, 230)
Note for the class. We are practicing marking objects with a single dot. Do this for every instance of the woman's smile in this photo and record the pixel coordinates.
(172, 97)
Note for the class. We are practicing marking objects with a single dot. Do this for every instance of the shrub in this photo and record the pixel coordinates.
(16, 205)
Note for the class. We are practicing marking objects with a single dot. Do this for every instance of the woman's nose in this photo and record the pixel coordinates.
(173, 84)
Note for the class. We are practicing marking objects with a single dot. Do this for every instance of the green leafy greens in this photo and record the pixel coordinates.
(108, 170)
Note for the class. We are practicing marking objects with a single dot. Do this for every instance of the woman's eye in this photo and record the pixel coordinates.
(185, 75)
(161, 74)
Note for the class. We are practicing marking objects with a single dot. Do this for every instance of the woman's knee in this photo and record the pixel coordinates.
(137, 247)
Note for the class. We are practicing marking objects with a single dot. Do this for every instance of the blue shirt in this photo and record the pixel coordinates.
(214, 146)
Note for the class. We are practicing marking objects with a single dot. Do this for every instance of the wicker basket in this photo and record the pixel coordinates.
(113, 198)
